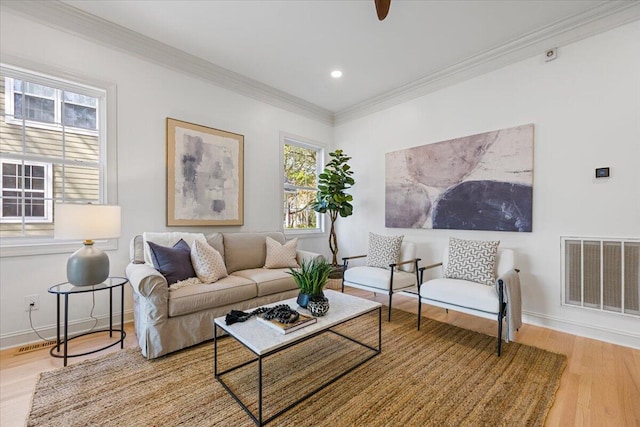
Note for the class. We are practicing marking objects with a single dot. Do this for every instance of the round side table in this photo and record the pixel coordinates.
(66, 289)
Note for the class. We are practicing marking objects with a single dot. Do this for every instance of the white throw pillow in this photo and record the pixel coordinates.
(383, 250)
(281, 256)
(168, 239)
(207, 262)
(473, 260)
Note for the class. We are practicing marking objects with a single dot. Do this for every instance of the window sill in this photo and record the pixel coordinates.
(302, 234)
(22, 247)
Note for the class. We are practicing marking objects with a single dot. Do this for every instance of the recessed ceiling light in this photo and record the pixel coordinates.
(336, 74)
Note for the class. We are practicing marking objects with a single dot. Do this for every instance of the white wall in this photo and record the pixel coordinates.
(146, 95)
(585, 106)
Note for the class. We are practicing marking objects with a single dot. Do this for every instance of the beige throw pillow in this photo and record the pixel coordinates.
(281, 256)
(207, 262)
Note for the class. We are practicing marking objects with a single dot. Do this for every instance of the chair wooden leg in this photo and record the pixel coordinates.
(419, 311)
(390, 294)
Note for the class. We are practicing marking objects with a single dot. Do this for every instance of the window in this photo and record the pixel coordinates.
(302, 162)
(26, 191)
(53, 149)
(45, 107)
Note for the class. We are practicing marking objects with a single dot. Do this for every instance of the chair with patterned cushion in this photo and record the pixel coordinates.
(478, 279)
(391, 266)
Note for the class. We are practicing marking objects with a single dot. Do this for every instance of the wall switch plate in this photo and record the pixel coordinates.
(32, 302)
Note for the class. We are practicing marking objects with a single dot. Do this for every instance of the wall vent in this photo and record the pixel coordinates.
(601, 274)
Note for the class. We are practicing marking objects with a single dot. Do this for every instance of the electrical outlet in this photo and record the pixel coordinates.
(32, 302)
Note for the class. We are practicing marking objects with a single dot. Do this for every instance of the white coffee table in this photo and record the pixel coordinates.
(263, 341)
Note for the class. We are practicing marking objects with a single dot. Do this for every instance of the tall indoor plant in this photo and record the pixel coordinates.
(332, 197)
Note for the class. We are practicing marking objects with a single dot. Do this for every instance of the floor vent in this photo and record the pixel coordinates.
(601, 274)
(34, 347)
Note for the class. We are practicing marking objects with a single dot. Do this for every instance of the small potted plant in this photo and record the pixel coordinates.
(311, 278)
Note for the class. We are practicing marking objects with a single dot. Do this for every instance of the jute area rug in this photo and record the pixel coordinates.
(439, 376)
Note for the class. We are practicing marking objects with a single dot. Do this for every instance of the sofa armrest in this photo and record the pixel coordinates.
(307, 256)
(151, 294)
(146, 281)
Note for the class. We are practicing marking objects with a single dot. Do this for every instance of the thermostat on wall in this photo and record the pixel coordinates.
(602, 172)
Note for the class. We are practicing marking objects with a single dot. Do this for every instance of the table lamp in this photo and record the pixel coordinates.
(88, 265)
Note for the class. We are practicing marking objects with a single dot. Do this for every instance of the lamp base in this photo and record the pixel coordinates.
(87, 266)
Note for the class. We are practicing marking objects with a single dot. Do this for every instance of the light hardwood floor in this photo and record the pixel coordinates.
(599, 387)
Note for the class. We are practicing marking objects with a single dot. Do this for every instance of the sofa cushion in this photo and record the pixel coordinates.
(462, 293)
(270, 281)
(207, 262)
(216, 242)
(244, 251)
(383, 250)
(173, 263)
(473, 260)
(229, 290)
(378, 278)
(281, 256)
(167, 239)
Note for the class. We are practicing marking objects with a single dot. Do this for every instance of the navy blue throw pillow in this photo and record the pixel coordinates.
(173, 263)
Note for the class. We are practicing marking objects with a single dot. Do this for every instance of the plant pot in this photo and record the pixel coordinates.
(303, 300)
(318, 305)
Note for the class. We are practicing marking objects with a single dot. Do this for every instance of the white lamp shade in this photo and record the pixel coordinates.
(86, 221)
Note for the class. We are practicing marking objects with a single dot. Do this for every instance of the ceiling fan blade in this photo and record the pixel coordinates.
(382, 8)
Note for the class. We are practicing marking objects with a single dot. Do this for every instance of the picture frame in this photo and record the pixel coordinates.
(205, 175)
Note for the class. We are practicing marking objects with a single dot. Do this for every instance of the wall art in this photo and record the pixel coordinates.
(477, 182)
(205, 175)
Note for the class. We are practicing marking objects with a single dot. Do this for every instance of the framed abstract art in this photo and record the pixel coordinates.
(205, 175)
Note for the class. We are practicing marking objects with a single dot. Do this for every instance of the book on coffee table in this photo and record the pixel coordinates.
(285, 328)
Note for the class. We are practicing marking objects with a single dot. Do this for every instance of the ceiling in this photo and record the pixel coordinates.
(292, 46)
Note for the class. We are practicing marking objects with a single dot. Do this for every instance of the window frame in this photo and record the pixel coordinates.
(47, 192)
(48, 75)
(289, 139)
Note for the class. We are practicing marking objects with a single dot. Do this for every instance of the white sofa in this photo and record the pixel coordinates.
(169, 320)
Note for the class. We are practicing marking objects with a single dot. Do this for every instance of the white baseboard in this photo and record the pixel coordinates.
(76, 327)
(587, 330)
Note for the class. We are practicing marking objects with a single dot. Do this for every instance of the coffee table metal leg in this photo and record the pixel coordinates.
(215, 351)
(260, 390)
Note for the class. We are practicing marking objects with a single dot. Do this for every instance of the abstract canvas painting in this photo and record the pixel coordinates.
(204, 175)
(477, 182)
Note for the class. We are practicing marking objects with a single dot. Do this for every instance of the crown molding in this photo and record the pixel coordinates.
(604, 16)
(600, 18)
(75, 21)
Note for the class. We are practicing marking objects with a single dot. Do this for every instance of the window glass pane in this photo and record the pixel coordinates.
(297, 213)
(76, 98)
(80, 183)
(300, 166)
(39, 90)
(9, 182)
(10, 207)
(79, 116)
(38, 109)
(37, 183)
